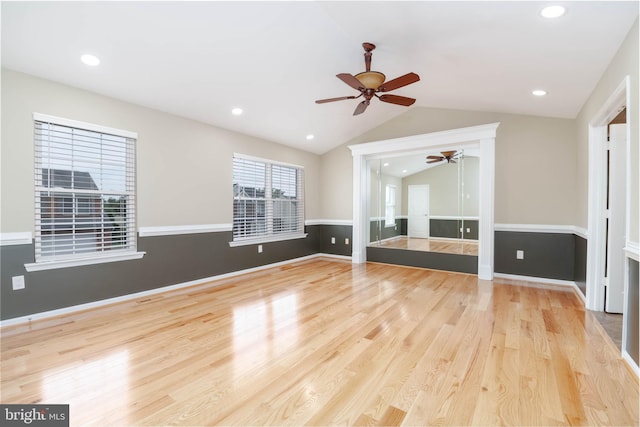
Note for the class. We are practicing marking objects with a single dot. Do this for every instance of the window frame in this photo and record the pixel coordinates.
(270, 235)
(78, 259)
(390, 206)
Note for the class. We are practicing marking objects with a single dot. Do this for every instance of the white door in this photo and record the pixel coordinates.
(617, 219)
(418, 211)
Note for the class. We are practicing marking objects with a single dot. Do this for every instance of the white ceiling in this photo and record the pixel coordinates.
(273, 59)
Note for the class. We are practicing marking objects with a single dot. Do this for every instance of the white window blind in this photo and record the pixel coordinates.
(268, 199)
(84, 192)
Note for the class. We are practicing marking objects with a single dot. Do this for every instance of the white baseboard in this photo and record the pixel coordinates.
(108, 301)
(632, 364)
(542, 280)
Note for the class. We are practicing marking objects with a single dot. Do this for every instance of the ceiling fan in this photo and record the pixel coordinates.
(449, 156)
(369, 83)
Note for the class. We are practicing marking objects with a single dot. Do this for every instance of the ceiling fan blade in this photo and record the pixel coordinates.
(361, 107)
(351, 81)
(322, 101)
(435, 161)
(399, 82)
(452, 161)
(449, 153)
(399, 100)
(435, 157)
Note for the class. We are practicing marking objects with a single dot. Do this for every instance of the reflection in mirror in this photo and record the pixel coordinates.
(427, 202)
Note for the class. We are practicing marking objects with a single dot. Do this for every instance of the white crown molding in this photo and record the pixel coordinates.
(96, 304)
(22, 238)
(328, 222)
(543, 228)
(170, 230)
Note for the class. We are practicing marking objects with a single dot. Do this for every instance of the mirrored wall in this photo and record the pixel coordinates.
(425, 202)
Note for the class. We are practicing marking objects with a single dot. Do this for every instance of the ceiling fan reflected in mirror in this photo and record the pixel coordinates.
(370, 83)
(449, 156)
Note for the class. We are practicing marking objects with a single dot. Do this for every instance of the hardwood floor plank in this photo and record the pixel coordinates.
(326, 342)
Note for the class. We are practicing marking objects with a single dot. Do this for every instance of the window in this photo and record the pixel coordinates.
(268, 200)
(84, 190)
(390, 206)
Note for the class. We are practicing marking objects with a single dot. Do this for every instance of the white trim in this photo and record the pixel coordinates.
(471, 218)
(263, 160)
(543, 280)
(84, 125)
(417, 142)
(542, 228)
(328, 222)
(77, 262)
(632, 249)
(267, 239)
(21, 238)
(96, 304)
(486, 184)
(168, 230)
(482, 136)
(632, 364)
(619, 98)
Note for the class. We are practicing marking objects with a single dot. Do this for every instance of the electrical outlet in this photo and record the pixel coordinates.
(333, 240)
(468, 230)
(346, 240)
(519, 254)
(259, 249)
(17, 282)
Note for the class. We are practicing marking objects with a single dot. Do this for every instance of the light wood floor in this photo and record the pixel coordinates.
(326, 342)
(450, 246)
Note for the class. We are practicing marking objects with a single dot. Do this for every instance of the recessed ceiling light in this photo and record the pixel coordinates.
(90, 60)
(539, 92)
(404, 171)
(552, 12)
(236, 111)
(310, 137)
(385, 164)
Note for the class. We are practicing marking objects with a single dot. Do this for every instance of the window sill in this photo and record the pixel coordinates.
(267, 239)
(77, 262)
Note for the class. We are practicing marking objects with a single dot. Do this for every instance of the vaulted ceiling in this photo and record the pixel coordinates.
(274, 59)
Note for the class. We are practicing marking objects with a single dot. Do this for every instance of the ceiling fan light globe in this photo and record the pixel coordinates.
(370, 79)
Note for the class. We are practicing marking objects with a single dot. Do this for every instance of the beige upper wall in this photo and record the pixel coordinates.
(445, 190)
(184, 168)
(535, 163)
(624, 63)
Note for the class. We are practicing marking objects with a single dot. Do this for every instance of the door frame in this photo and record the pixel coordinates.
(596, 244)
(483, 136)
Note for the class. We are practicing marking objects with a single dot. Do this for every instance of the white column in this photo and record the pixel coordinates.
(487, 196)
(360, 224)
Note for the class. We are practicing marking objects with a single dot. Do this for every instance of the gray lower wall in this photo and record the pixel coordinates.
(433, 260)
(450, 228)
(547, 255)
(170, 260)
(580, 264)
(378, 231)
